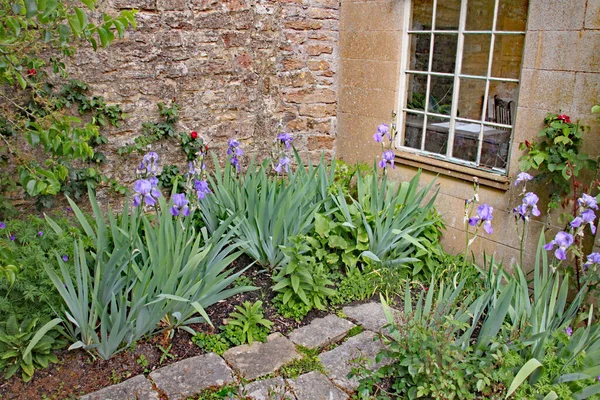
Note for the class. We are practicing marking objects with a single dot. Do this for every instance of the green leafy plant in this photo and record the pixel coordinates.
(214, 343)
(169, 175)
(268, 210)
(558, 158)
(247, 324)
(294, 308)
(143, 273)
(303, 277)
(29, 245)
(36, 35)
(155, 131)
(28, 345)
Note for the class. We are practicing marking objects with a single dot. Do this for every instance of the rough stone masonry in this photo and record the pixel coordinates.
(239, 68)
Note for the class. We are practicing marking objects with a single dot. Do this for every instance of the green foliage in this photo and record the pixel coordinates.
(309, 362)
(32, 293)
(191, 144)
(225, 392)
(417, 102)
(294, 308)
(154, 131)
(169, 175)
(243, 280)
(34, 35)
(561, 373)
(214, 343)
(355, 331)
(142, 272)
(267, 210)
(247, 324)
(27, 346)
(557, 156)
(303, 278)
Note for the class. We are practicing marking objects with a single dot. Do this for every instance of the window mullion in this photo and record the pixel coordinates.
(457, 70)
(487, 82)
(429, 66)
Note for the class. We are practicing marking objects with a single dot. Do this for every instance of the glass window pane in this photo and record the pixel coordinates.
(419, 51)
(494, 151)
(501, 105)
(417, 86)
(476, 53)
(413, 130)
(508, 52)
(440, 95)
(480, 15)
(422, 15)
(470, 98)
(444, 53)
(436, 139)
(466, 138)
(447, 15)
(512, 15)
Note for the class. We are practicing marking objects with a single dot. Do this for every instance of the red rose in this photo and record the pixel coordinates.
(194, 135)
(528, 144)
(565, 118)
(31, 72)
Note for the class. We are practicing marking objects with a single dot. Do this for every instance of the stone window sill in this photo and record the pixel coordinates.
(457, 171)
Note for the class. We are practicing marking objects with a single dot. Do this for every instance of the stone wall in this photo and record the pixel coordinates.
(239, 68)
(560, 71)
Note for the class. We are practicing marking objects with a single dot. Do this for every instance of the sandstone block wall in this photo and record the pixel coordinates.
(239, 68)
(560, 71)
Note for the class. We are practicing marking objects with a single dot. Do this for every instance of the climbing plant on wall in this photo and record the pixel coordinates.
(49, 127)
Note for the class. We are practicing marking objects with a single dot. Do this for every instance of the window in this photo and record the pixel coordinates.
(460, 81)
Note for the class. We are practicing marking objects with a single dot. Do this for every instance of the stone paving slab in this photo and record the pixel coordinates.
(369, 315)
(261, 359)
(268, 389)
(134, 388)
(190, 376)
(316, 386)
(321, 332)
(338, 362)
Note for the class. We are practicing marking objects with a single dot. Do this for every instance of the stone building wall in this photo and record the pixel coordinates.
(560, 71)
(239, 68)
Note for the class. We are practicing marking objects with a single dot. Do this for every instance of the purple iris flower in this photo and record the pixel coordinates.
(562, 241)
(387, 157)
(529, 206)
(234, 151)
(12, 237)
(569, 331)
(65, 258)
(484, 217)
(202, 189)
(180, 205)
(40, 233)
(146, 192)
(382, 130)
(2, 225)
(586, 201)
(592, 259)
(149, 163)
(586, 217)
(523, 177)
(286, 139)
(284, 163)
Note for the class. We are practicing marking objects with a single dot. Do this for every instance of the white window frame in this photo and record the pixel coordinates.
(405, 71)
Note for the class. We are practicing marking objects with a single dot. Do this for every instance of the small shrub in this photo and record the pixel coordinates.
(247, 324)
